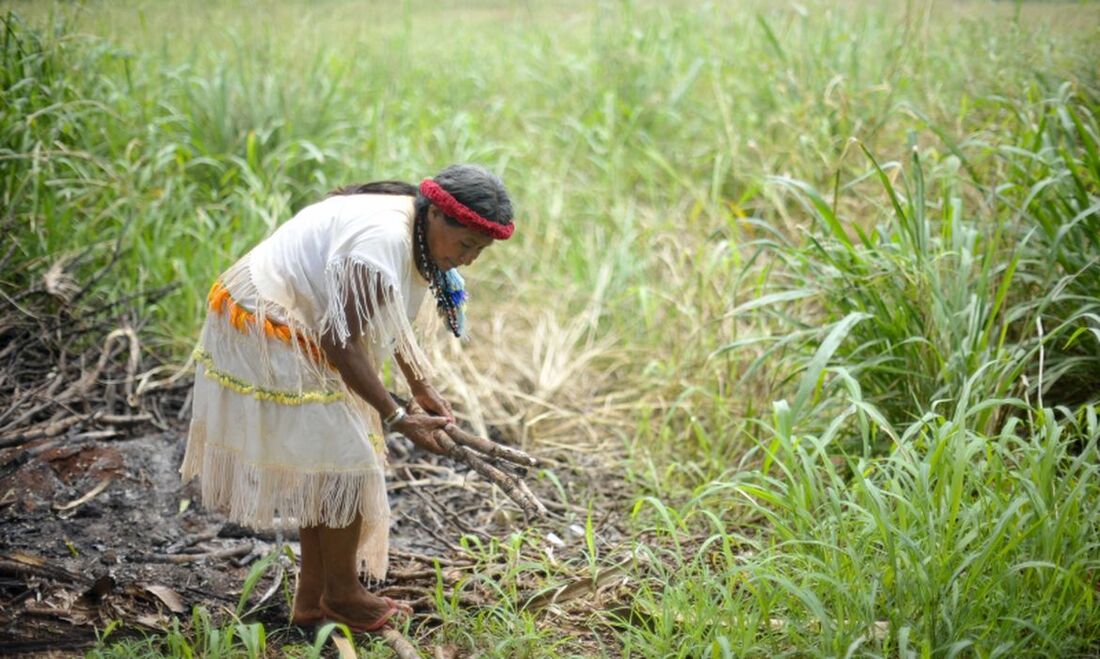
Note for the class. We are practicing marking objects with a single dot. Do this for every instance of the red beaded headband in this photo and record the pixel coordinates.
(463, 214)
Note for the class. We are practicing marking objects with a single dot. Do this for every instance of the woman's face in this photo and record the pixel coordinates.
(451, 246)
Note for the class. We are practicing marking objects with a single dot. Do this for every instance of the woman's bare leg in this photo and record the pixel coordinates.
(343, 594)
(311, 578)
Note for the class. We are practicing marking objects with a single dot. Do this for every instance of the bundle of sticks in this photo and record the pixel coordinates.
(71, 364)
(504, 466)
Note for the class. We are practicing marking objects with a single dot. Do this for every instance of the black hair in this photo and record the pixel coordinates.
(377, 187)
(472, 185)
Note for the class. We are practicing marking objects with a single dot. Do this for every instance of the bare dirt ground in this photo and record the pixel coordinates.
(71, 564)
(98, 531)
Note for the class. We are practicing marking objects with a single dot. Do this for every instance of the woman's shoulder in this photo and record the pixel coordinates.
(363, 207)
(372, 213)
(344, 219)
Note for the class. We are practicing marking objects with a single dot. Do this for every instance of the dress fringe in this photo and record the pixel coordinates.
(268, 496)
(379, 312)
(380, 317)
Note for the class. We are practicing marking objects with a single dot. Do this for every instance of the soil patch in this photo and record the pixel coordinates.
(102, 532)
(99, 533)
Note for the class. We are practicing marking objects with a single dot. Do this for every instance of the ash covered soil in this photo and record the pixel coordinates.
(97, 532)
(72, 563)
(100, 530)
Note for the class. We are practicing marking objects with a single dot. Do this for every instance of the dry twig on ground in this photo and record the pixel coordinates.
(488, 459)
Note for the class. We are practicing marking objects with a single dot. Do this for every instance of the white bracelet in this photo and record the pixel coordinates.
(393, 418)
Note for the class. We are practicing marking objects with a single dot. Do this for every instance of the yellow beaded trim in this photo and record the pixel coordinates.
(260, 393)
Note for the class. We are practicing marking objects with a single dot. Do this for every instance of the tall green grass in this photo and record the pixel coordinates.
(204, 126)
(926, 483)
(952, 291)
(839, 260)
(954, 544)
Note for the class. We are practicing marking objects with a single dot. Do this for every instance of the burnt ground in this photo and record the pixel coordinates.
(98, 532)
(142, 550)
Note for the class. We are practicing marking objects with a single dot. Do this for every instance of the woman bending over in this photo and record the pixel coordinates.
(289, 409)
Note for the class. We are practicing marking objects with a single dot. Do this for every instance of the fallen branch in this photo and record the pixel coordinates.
(179, 559)
(49, 429)
(401, 646)
(121, 419)
(480, 453)
(19, 564)
(93, 493)
(192, 539)
(489, 447)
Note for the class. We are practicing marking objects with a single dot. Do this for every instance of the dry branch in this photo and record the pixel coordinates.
(400, 645)
(489, 447)
(192, 539)
(480, 454)
(512, 486)
(179, 559)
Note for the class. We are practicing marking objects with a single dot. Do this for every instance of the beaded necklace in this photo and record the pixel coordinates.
(447, 287)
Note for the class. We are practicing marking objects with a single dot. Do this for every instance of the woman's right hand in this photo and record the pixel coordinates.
(420, 429)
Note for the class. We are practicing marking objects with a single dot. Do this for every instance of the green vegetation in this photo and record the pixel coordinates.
(842, 263)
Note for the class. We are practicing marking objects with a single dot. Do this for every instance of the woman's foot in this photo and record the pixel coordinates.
(403, 608)
(312, 616)
(306, 610)
(306, 617)
(361, 611)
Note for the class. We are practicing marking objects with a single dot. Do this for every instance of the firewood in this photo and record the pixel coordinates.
(479, 454)
(489, 447)
(399, 644)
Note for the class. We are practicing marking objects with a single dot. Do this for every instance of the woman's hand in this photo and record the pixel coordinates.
(420, 428)
(429, 399)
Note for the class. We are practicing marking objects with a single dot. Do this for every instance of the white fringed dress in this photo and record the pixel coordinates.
(277, 438)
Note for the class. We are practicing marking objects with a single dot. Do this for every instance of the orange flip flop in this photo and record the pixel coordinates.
(404, 608)
(331, 616)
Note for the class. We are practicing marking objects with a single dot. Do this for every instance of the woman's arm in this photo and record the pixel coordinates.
(424, 392)
(350, 359)
(351, 362)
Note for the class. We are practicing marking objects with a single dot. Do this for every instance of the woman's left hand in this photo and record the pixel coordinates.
(429, 399)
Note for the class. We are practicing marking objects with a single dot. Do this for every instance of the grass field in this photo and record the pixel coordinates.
(820, 279)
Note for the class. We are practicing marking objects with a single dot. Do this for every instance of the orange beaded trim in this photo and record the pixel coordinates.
(220, 301)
